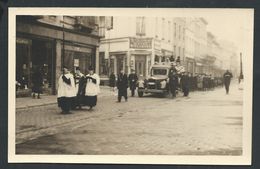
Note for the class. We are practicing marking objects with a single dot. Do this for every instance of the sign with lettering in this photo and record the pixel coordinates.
(76, 62)
(141, 43)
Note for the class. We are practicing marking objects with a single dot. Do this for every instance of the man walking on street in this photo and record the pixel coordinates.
(227, 78)
(173, 82)
(122, 85)
(185, 84)
(80, 84)
(133, 82)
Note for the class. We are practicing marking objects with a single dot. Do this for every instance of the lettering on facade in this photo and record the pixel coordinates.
(22, 41)
(141, 43)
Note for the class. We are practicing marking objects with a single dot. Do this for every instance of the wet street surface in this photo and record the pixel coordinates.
(206, 123)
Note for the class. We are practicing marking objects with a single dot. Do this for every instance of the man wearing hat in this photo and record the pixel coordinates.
(92, 88)
(227, 78)
(173, 81)
(66, 91)
(80, 83)
(122, 85)
(133, 81)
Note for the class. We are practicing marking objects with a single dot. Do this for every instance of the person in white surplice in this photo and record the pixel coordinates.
(92, 88)
(66, 91)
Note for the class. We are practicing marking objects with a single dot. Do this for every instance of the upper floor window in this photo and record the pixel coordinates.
(175, 27)
(169, 31)
(140, 26)
(163, 28)
(179, 31)
(156, 27)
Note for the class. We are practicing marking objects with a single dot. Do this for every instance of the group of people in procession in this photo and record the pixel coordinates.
(77, 90)
(186, 82)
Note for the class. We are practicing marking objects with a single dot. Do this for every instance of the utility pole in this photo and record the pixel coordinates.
(63, 45)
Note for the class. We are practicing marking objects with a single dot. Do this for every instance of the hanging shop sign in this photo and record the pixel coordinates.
(141, 43)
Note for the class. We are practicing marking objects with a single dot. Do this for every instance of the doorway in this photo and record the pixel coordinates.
(140, 65)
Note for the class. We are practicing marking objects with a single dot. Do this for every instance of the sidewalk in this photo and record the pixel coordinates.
(28, 102)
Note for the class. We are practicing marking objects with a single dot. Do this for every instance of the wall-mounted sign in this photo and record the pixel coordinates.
(76, 62)
(141, 43)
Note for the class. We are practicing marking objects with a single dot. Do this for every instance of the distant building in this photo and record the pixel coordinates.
(48, 42)
(195, 44)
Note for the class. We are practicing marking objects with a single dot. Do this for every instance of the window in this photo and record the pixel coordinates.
(175, 27)
(140, 26)
(169, 31)
(174, 51)
(179, 31)
(156, 27)
(183, 33)
(103, 64)
(159, 72)
(163, 28)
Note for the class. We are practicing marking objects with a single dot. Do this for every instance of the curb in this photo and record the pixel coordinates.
(46, 104)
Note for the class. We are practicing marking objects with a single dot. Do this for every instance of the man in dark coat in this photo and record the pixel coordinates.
(37, 80)
(122, 85)
(112, 80)
(133, 82)
(173, 81)
(227, 78)
(80, 84)
(185, 83)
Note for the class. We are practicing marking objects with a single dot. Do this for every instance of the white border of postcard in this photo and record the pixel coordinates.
(244, 159)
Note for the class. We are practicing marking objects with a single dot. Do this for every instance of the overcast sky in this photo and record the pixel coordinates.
(234, 28)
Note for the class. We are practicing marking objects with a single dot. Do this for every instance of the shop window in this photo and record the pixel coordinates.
(75, 59)
(103, 64)
(156, 59)
(23, 65)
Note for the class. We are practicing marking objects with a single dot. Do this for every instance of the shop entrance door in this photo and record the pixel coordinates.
(140, 65)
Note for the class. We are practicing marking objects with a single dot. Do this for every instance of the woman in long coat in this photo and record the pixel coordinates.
(66, 91)
(92, 89)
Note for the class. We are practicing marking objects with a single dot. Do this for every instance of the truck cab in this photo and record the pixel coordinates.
(157, 82)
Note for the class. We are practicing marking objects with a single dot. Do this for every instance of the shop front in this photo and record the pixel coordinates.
(32, 54)
(41, 46)
(79, 56)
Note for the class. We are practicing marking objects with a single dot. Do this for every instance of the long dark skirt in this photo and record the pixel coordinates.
(65, 103)
(37, 88)
(89, 101)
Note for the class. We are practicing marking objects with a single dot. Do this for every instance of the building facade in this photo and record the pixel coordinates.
(49, 42)
(143, 42)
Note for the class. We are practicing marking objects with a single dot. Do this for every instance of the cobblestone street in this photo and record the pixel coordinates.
(206, 123)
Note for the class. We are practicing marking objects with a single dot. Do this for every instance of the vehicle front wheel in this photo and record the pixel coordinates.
(140, 94)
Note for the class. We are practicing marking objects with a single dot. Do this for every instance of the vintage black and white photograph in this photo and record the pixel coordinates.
(159, 86)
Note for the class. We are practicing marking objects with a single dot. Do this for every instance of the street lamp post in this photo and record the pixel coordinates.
(63, 45)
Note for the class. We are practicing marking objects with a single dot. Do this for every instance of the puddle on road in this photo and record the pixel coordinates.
(25, 127)
(51, 146)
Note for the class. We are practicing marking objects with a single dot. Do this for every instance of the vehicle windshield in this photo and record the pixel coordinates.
(159, 71)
